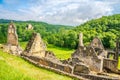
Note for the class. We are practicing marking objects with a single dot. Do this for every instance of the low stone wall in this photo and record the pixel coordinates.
(109, 64)
(77, 71)
(97, 77)
(59, 66)
(46, 62)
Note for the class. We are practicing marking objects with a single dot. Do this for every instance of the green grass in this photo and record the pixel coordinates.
(16, 68)
(61, 53)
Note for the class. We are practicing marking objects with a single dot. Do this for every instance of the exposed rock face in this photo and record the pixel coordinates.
(81, 40)
(12, 45)
(29, 27)
(35, 46)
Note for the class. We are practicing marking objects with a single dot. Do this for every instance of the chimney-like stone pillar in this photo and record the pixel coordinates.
(12, 37)
(81, 40)
(12, 45)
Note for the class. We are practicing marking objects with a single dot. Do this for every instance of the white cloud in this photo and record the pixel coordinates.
(68, 12)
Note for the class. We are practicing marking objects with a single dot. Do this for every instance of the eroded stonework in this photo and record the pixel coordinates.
(29, 27)
(96, 43)
(35, 46)
(12, 37)
(12, 45)
(85, 61)
(81, 40)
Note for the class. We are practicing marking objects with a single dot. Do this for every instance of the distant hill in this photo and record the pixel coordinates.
(7, 21)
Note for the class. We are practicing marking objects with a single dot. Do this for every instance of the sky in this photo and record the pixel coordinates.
(66, 12)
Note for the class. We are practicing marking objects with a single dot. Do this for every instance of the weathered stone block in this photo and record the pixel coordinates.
(110, 65)
(81, 68)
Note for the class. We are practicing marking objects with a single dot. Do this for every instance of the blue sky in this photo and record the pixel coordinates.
(67, 12)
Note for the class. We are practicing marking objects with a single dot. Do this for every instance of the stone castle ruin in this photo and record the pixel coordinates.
(86, 63)
(29, 27)
(12, 45)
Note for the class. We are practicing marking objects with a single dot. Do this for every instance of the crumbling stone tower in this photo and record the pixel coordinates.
(12, 45)
(81, 40)
(35, 46)
(29, 27)
(12, 37)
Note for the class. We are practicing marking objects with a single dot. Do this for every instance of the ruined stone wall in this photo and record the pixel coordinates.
(96, 43)
(110, 65)
(89, 57)
(35, 46)
(52, 64)
(78, 71)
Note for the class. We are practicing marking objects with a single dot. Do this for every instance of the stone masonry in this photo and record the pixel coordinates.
(29, 27)
(12, 37)
(84, 62)
(12, 45)
(81, 40)
(35, 46)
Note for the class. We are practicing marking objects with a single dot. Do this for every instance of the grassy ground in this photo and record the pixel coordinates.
(61, 53)
(15, 68)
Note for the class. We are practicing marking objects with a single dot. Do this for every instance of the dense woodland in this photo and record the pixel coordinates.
(106, 28)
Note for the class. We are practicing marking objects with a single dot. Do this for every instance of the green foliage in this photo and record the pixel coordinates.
(106, 28)
(61, 53)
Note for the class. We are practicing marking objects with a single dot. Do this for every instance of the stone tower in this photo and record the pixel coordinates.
(12, 45)
(81, 40)
(12, 37)
(35, 46)
(29, 27)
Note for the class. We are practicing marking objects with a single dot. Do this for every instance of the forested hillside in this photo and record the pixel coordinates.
(45, 29)
(107, 28)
